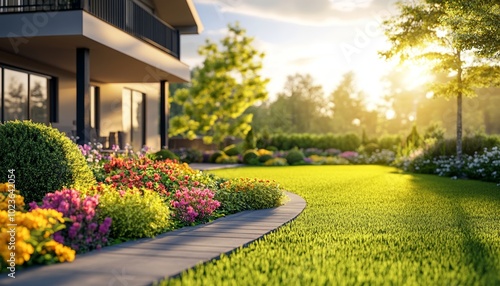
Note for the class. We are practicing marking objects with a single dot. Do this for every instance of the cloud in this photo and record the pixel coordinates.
(312, 12)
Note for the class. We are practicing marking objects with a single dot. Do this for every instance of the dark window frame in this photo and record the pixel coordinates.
(52, 93)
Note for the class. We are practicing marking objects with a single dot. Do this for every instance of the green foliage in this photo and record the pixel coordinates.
(414, 139)
(250, 155)
(135, 213)
(44, 159)
(166, 154)
(295, 157)
(224, 159)
(345, 142)
(232, 150)
(216, 155)
(264, 158)
(225, 85)
(370, 148)
(189, 155)
(250, 141)
(368, 225)
(276, 162)
(241, 194)
(432, 32)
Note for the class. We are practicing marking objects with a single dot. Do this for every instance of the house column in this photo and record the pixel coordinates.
(164, 114)
(83, 95)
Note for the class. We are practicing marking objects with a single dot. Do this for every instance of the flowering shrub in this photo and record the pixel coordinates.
(135, 213)
(34, 239)
(350, 156)
(160, 176)
(485, 166)
(193, 204)
(83, 232)
(248, 194)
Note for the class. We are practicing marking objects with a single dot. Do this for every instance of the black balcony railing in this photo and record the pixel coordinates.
(123, 14)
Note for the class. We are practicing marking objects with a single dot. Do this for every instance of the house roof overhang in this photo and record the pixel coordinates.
(115, 56)
(181, 14)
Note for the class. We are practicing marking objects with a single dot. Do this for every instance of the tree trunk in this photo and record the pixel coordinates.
(459, 109)
(459, 126)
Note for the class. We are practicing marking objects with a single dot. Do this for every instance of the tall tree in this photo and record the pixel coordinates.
(427, 31)
(221, 90)
(304, 102)
(347, 105)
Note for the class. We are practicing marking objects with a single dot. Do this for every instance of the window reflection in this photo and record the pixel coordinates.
(39, 99)
(25, 96)
(15, 95)
(133, 117)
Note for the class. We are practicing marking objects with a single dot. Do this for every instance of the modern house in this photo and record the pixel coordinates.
(94, 69)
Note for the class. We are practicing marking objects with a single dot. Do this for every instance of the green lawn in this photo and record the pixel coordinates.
(369, 225)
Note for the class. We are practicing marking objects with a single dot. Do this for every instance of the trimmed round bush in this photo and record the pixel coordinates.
(135, 213)
(165, 154)
(295, 157)
(276, 162)
(241, 194)
(249, 156)
(264, 158)
(44, 159)
(232, 150)
(215, 155)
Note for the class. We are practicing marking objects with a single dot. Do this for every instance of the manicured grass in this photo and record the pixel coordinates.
(369, 225)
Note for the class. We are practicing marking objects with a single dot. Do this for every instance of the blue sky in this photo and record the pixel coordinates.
(325, 38)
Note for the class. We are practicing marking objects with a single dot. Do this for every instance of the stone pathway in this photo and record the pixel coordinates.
(145, 261)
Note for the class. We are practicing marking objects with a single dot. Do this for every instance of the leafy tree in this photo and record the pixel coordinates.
(478, 24)
(221, 90)
(347, 105)
(429, 31)
(304, 102)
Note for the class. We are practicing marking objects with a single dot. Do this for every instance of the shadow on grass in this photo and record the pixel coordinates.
(478, 254)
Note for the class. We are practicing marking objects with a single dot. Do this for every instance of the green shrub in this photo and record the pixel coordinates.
(271, 148)
(295, 157)
(165, 154)
(249, 155)
(189, 155)
(135, 213)
(370, 148)
(227, 159)
(249, 194)
(232, 150)
(276, 162)
(250, 141)
(215, 155)
(264, 158)
(44, 159)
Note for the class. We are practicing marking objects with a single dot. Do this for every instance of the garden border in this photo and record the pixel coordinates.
(145, 261)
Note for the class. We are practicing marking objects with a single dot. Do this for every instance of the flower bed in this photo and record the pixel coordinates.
(70, 221)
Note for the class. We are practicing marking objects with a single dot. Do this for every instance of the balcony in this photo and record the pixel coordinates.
(123, 14)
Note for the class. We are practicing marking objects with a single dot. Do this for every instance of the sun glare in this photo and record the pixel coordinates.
(416, 76)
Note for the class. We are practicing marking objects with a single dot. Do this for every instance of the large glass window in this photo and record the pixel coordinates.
(39, 109)
(23, 96)
(134, 120)
(15, 92)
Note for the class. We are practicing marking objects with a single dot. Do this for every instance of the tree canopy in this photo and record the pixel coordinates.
(430, 32)
(221, 90)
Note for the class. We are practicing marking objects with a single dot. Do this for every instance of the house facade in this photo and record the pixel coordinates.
(94, 69)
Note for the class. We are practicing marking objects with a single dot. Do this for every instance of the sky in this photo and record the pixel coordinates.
(323, 38)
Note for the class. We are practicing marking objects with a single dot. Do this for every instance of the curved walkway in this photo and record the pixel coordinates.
(145, 261)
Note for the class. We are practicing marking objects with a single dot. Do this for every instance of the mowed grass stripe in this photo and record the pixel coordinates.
(369, 225)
